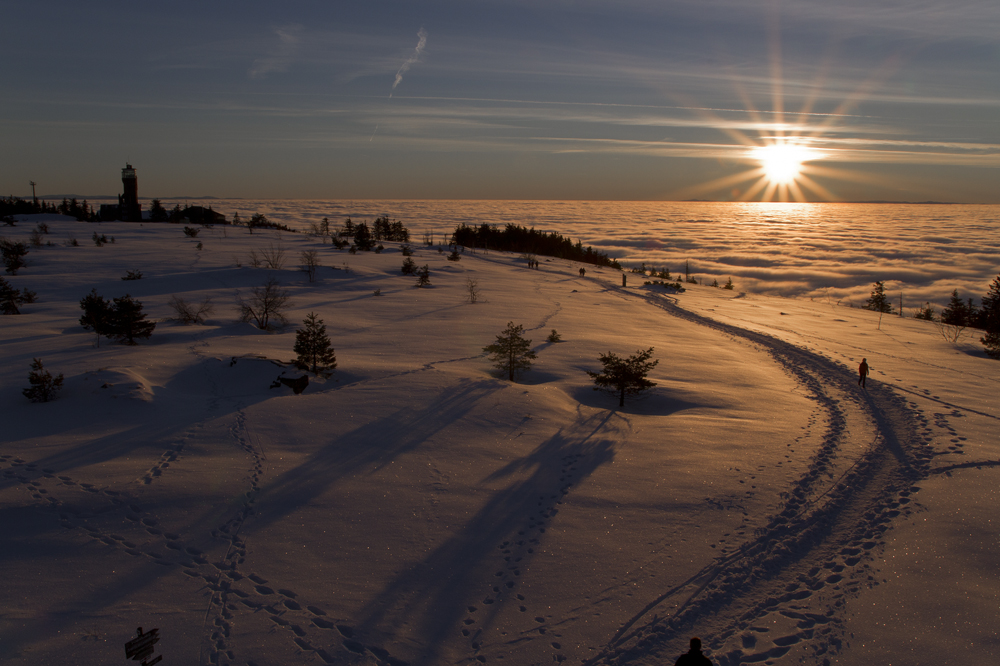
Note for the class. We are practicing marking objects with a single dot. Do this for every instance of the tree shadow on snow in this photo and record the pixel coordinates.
(431, 594)
(369, 448)
(654, 402)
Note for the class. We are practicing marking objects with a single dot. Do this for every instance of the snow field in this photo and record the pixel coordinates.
(416, 508)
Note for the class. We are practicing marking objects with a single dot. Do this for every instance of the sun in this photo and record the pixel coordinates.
(782, 162)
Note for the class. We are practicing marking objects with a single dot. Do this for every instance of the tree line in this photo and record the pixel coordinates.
(515, 238)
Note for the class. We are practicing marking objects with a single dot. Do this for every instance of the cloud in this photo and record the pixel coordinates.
(405, 67)
(281, 53)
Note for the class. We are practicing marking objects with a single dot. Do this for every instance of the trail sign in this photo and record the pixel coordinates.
(141, 648)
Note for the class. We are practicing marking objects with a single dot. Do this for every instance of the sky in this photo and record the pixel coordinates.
(626, 100)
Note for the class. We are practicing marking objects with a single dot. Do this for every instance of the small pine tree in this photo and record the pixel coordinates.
(129, 321)
(313, 346)
(625, 376)
(424, 276)
(956, 313)
(13, 255)
(44, 386)
(989, 315)
(728, 285)
(926, 313)
(878, 301)
(409, 267)
(157, 213)
(554, 337)
(511, 353)
(97, 315)
(10, 298)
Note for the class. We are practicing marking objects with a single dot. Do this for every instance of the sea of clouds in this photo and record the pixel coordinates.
(829, 252)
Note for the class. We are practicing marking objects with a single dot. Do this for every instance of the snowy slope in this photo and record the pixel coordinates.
(417, 508)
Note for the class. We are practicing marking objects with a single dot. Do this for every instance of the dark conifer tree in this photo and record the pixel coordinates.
(97, 316)
(878, 301)
(10, 298)
(989, 315)
(44, 386)
(313, 346)
(625, 376)
(157, 213)
(128, 321)
(13, 255)
(511, 353)
(956, 313)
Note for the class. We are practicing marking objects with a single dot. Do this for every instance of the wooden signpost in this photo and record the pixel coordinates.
(140, 648)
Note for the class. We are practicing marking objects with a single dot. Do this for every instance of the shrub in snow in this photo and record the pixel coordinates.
(624, 376)
(44, 386)
(265, 306)
(406, 249)
(273, 256)
(554, 336)
(424, 276)
(10, 298)
(35, 238)
(472, 285)
(132, 275)
(191, 232)
(409, 267)
(313, 347)
(511, 354)
(13, 255)
(728, 285)
(190, 313)
(310, 261)
(454, 256)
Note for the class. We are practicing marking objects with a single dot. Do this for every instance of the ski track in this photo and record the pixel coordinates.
(817, 544)
(816, 549)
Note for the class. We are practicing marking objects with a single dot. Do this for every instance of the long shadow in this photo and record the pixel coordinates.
(369, 448)
(431, 593)
(146, 425)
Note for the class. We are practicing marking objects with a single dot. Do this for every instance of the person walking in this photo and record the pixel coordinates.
(862, 372)
(693, 657)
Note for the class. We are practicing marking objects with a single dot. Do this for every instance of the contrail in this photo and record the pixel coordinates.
(422, 34)
(373, 134)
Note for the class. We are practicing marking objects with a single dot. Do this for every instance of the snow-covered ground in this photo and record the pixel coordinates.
(417, 508)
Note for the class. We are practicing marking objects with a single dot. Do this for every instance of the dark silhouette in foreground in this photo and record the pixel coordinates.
(862, 372)
(693, 657)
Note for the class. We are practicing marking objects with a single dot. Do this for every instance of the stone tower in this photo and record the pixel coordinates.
(128, 203)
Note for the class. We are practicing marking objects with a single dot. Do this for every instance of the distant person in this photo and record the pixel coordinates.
(862, 372)
(582, 272)
(693, 657)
